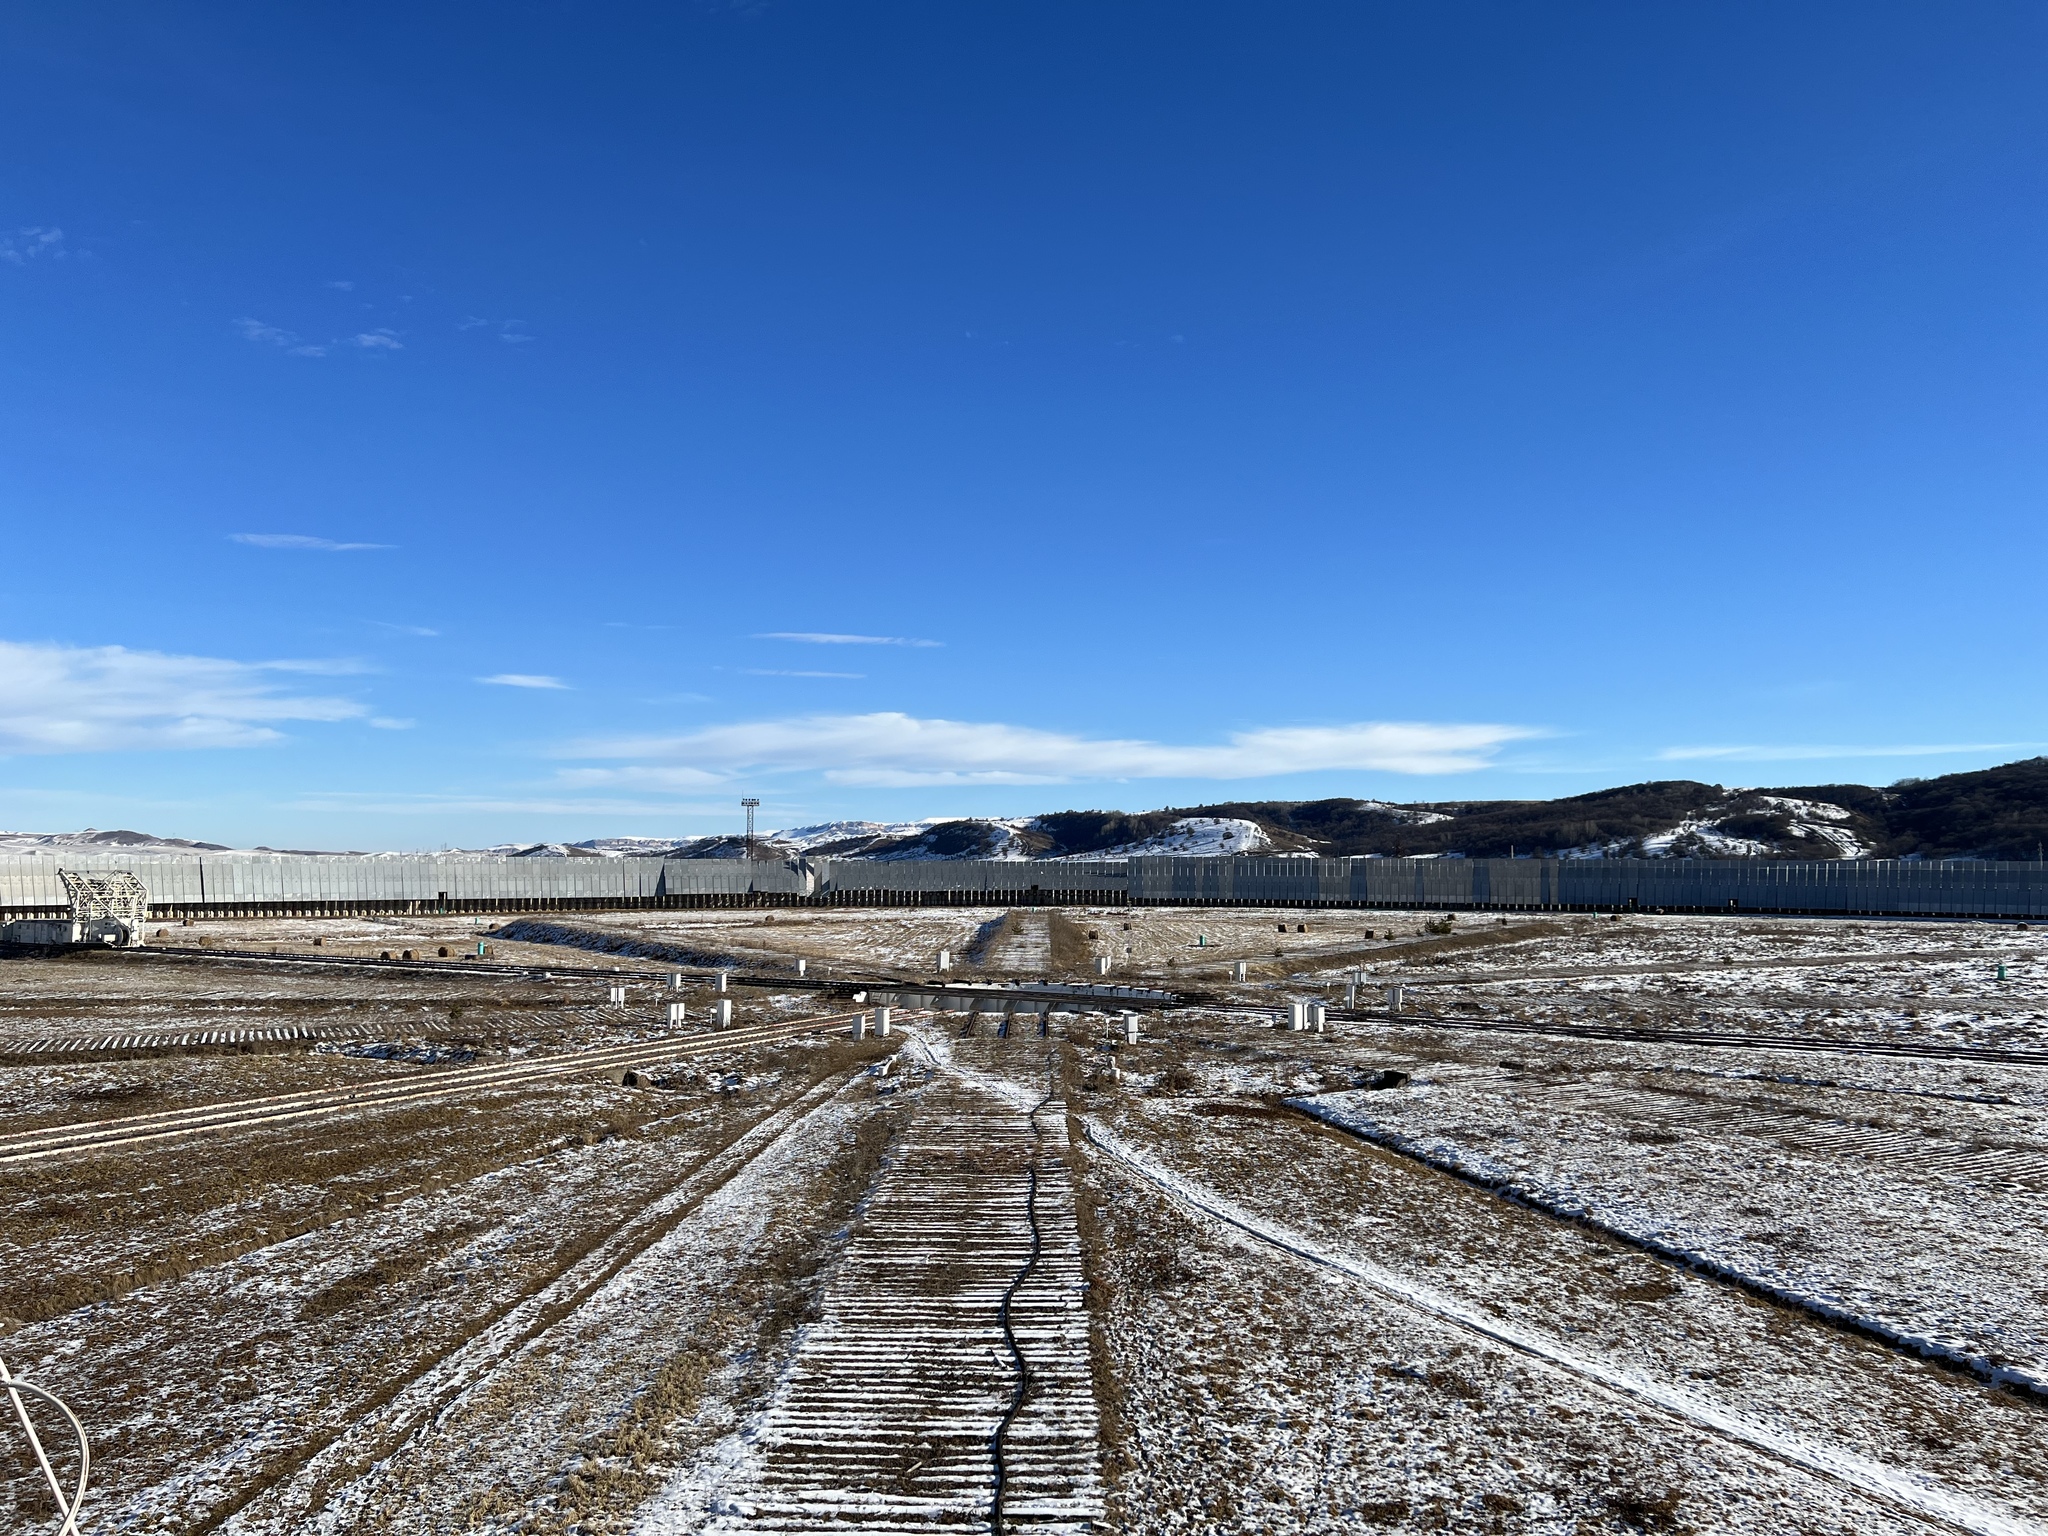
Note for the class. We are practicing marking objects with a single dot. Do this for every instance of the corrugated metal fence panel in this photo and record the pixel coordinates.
(1876, 886)
(226, 881)
(995, 876)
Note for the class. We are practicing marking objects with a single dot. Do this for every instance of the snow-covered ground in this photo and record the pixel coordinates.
(1524, 1283)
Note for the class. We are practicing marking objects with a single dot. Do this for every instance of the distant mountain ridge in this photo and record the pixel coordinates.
(1991, 813)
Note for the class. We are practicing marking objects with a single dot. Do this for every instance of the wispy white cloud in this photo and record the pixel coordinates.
(892, 750)
(320, 666)
(508, 330)
(805, 637)
(379, 339)
(388, 723)
(62, 698)
(1793, 753)
(792, 672)
(277, 336)
(522, 680)
(343, 285)
(297, 541)
(35, 243)
(417, 631)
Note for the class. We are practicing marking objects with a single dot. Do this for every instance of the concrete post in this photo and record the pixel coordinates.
(675, 981)
(721, 1013)
(675, 1014)
(882, 1022)
(1396, 996)
(724, 980)
(1102, 965)
(1238, 971)
(1316, 1015)
(945, 961)
(1130, 1029)
(802, 966)
(1297, 1016)
(860, 1026)
(618, 997)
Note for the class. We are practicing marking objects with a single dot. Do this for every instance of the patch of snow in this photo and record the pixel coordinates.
(1836, 1462)
(1189, 837)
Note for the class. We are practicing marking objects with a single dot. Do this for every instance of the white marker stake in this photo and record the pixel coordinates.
(675, 1014)
(882, 1022)
(721, 1013)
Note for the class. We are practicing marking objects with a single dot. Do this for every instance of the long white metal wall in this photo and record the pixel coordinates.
(1894, 886)
(231, 884)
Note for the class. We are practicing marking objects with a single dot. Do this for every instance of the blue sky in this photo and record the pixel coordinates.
(439, 424)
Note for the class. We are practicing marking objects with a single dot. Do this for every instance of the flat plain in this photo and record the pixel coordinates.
(1638, 1223)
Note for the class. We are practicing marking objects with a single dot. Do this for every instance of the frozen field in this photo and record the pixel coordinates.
(1405, 1274)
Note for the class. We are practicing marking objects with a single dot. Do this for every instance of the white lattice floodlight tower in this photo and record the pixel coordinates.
(109, 908)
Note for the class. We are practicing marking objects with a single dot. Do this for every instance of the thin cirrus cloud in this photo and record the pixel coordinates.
(64, 698)
(1792, 754)
(522, 680)
(893, 750)
(277, 336)
(380, 339)
(298, 541)
(793, 672)
(806, 637)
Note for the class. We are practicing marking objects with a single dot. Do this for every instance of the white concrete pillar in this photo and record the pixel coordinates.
(721, 1013)
(945, 960)
(675, 981)
(802, 966)
(1102, 965)
(1317, 1013)
(860, 1026)
(618, 997)
(1297, 1016)
(1238, 971)
(675, 1014)
(1130, 1029)
(882, 1022)
(724, 979)
(1396, 997)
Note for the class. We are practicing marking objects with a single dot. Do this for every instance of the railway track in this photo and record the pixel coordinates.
(906, 1407)
(237, 1114)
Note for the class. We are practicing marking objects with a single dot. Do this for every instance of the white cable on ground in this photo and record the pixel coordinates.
(67, 1509)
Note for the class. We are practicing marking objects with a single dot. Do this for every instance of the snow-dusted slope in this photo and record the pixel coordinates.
(1193, 837)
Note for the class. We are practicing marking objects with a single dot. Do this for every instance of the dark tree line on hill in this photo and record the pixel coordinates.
(1994, 813)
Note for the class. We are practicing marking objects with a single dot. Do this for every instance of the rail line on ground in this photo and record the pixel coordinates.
(237, 1114)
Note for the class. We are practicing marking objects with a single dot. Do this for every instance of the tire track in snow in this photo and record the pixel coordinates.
(1888, 1485)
